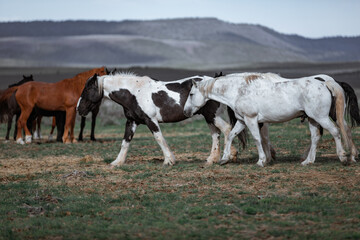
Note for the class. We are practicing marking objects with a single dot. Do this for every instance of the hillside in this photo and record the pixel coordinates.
(186, 43)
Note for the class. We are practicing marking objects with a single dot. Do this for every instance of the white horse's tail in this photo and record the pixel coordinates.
(339, 95)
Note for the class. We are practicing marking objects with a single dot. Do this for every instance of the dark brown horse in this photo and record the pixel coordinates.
(59, 96)
(12, 106)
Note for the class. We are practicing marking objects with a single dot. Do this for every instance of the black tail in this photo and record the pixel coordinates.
(352, 107)
(243, 134)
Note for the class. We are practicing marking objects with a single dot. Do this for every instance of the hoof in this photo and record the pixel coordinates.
(260, 164)
(111, 166)
(20, 141)
(212, 160)
(50, 137)
(168, 164)
(305, 163)
(223, 161)
(28, 139)
(74, 141)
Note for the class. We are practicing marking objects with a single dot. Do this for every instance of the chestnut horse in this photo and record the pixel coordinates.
(59, 96)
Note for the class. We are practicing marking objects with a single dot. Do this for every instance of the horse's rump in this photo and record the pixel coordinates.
(4, 106)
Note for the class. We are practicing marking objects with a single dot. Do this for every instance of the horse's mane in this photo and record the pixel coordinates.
(24, 80)
(89, 72)
(206, 86)
(123, 74)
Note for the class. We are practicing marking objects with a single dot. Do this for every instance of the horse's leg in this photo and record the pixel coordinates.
(93, 122)
(60, 124)
(38, 120)
(82, 126)
(253, 126)
(225, 128)
(154, 127)
(22, 124)
(334, 131)
(69, 125)
(239, 126)
(72, 128)
(15, 125)
(53, 125)
(315, 137)
(265, 142)
(130, 129)
(215, 149)
(10, 118)
(36, 128)
(354, 151)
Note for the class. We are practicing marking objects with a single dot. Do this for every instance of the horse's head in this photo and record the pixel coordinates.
(28, 79)
(24, 80)
(195, 100)
(91, 96)
(102, 71)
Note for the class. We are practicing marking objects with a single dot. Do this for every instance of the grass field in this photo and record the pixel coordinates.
(58, 191)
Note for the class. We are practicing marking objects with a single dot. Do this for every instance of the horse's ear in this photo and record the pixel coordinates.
(23, 76)
(195, 83)
(95, 78)
(31, 76)
(107, 71)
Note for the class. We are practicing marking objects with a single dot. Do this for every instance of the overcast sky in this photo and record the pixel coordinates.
(309, 18)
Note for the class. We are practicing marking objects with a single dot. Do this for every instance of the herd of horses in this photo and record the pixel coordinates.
(29, 100)
(253, 100)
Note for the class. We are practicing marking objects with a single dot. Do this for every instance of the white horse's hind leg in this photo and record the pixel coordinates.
(233, 133)
(225, 128)
(334, 131)
(253, 126)
(265, 142)
(215, 149)
(315, 137)
(354, 151)
(129, 134)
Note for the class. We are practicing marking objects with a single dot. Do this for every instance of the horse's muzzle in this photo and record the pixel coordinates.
(188, 113)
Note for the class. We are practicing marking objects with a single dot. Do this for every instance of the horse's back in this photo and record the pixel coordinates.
(284, 100)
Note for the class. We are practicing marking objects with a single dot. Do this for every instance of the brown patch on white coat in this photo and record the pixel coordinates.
(251, 78)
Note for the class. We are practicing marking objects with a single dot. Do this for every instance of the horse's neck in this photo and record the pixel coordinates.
(217, 91)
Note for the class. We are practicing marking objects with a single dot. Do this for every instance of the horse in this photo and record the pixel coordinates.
(59, 96)
(11, 106)
(268, 98)
(150, 102)
(352, 112)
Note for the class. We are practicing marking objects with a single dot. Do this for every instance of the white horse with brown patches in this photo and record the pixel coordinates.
(150, 102)
(268, 98)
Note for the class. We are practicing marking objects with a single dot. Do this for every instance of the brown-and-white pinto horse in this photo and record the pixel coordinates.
(150, 102)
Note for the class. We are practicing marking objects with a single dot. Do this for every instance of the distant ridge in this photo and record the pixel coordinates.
(184, 43)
